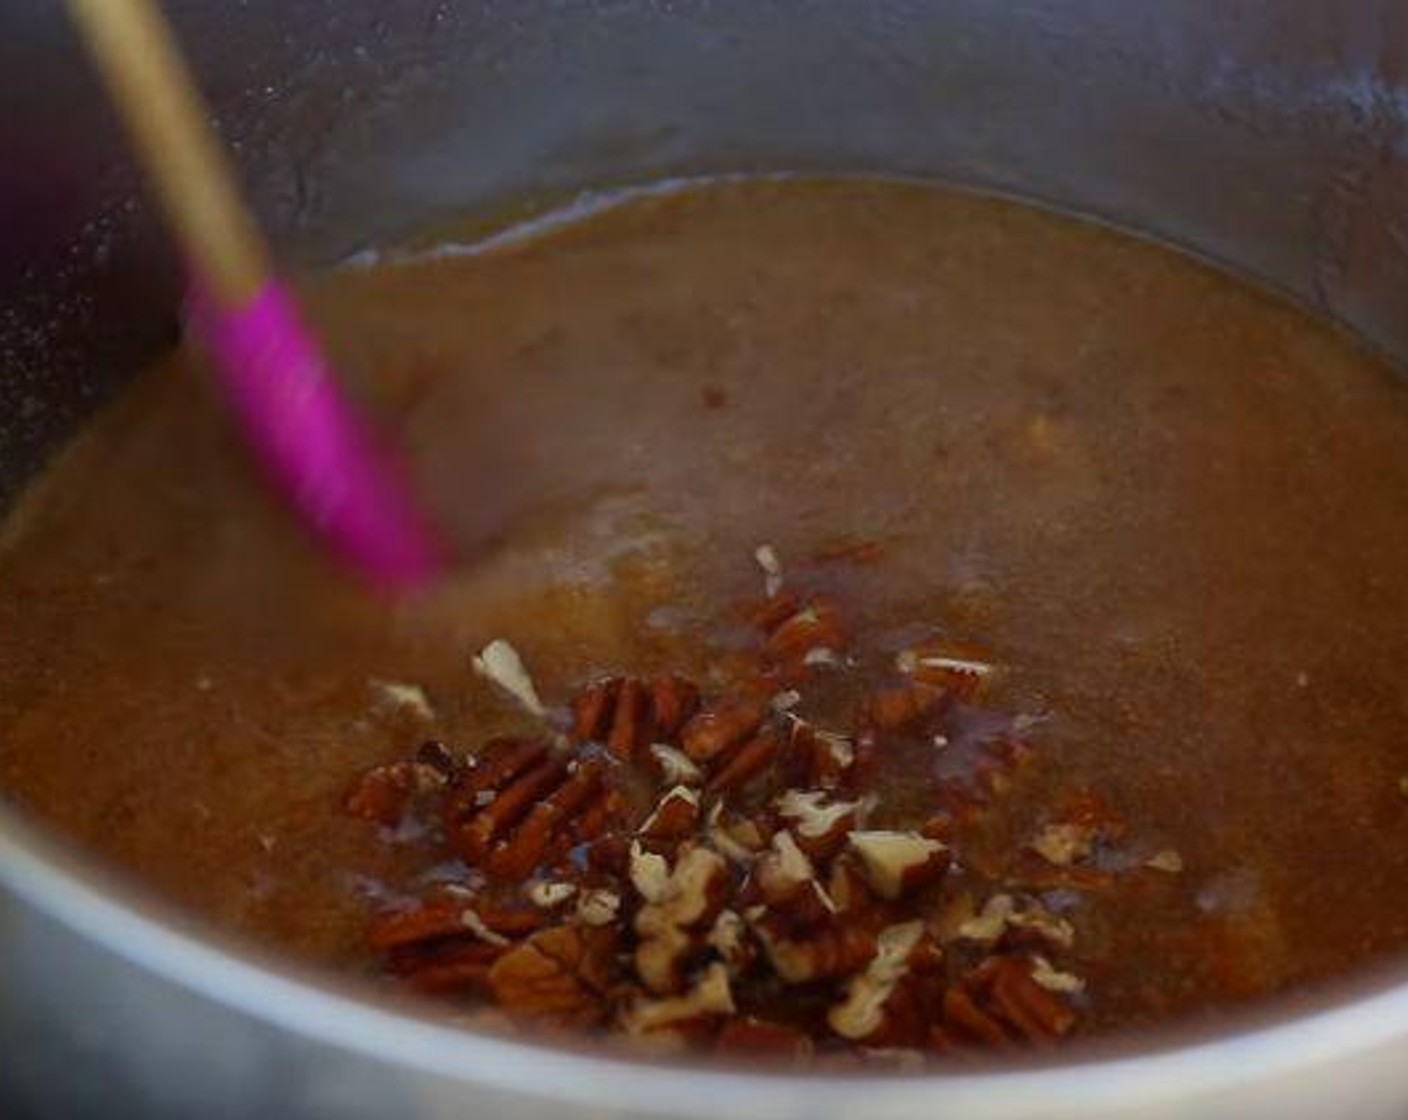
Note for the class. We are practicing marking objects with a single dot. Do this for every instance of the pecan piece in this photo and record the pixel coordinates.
(782, 870)
(673, 817)
(679, 905)
(1003, 988)
(563, 974)
(720, 728)
(745, 764)
(615, 712)
(898, 862)
(1064, 843)
(476, 834)
(812, 626)
(498, 763)
(674, 765)
(957, 671)
(803, 935)
(815, 952)
(850, 891)
(965, 1021)
(524, 806)
(819, 824)
(710, 997)
(627, 714)
(876, 1009)
(757, 1038)
(818, 758)
(673, 700)
(631, 721)
(385, 794)
(447, 967)
(593, 709)
(730, 939)
(499, 662)
(452, 917)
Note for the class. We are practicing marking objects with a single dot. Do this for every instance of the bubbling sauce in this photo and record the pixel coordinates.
(1172, 508)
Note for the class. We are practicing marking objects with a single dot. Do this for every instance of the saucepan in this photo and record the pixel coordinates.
(1268, 135)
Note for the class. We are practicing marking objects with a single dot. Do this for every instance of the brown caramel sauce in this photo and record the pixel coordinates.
(1172, 507)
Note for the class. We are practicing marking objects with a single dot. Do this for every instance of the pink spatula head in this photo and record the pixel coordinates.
(312, 442)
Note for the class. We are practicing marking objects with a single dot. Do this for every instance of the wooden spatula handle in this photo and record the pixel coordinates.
(156, 95)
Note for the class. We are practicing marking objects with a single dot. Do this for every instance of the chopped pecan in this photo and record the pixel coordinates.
(745, 764)
(1064, 843)
(628, 714)
(692, 896)
(957, 671)
(818, 758)
(814, 625)
(850, 891)
(720, 728)
(401, 698)
(616, 712)
(730, 939)
(757, 1038)
(678, 903)
(815, 951)
(1036, 873)
(448, 918)
(674, 765)
(598, 907)
(739, 839)
(385, 794)
(876, 1009)
(434, 753)
(662, 956)
(767, 559)
(550, 895)
(500, 761)
(500, 663)
(989, 924)
(757, 865)
(525, 805)
(673, 817)
(673, 701)
(564, 974)
(774, 610)
(1003, 990)
(783, 869)
(1045, 975)
(710, 997)
(898, 862)
(594, 709)
(632, 722)
(819, 824)
(965, 1021)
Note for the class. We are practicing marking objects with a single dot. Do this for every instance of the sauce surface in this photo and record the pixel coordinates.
(1171, 507)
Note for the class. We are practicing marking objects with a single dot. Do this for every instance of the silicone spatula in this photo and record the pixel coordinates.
(301, 426)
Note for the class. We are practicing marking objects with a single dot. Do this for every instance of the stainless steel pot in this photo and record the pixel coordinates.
(1268, 134)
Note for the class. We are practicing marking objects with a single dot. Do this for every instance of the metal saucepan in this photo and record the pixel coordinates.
(1268, 134)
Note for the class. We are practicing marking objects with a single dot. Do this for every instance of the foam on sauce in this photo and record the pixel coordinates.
(1177, 505)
